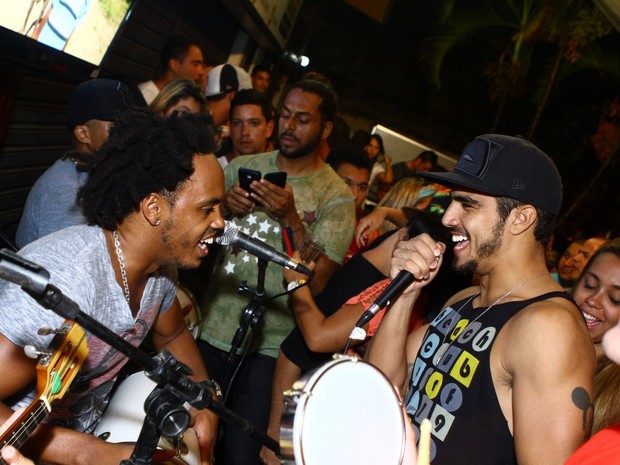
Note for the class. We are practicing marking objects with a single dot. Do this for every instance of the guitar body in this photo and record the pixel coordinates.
(56, 369)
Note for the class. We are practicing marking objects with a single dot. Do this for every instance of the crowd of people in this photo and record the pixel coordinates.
(509, 346)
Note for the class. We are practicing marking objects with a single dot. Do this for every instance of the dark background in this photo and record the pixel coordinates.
(376, 69)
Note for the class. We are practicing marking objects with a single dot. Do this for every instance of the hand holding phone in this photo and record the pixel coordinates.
(278, 178)
(247, 176)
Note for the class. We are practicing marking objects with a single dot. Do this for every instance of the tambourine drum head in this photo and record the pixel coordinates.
(349, 414)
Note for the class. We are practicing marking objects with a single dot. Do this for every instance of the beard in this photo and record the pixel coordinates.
(304, 149)
(182, 243)
(485, 250)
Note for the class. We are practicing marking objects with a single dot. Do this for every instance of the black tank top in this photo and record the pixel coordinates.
(451, 385)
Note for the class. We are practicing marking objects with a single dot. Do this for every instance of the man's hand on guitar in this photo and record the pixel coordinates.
(11, 455)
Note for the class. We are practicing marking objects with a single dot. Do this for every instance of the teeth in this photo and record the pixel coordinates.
(203, 244)
(590, 318)
(458, 238)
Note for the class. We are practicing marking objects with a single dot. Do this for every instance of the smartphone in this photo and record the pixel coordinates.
(278, 178)
(246, 176)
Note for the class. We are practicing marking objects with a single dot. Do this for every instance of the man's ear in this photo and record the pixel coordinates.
(327, 129)
(82, 134)
(153, 207)
(270, 128)
(524, 218)
(174, 65)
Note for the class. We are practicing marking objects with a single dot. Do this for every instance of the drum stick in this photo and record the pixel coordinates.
(424, 445)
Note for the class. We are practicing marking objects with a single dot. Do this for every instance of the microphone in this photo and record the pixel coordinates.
(402, 280)
(233, 236)
(26, 274)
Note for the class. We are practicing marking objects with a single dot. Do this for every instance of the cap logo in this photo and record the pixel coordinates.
(478, 156)
(518, 185)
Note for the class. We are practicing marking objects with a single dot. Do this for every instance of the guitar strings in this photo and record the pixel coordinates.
(36, 415)
(21, 434)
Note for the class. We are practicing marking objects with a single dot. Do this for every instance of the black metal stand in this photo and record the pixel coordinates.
(249, 319)
(165, 414)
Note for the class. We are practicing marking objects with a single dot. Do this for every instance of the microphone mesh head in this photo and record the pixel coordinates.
(229, 234)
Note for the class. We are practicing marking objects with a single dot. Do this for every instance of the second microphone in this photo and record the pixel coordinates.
(233, 236)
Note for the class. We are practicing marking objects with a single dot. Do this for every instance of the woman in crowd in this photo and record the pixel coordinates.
(604, 446)
(381, 172)
(179, 96)
(597, 293)
(405, 193)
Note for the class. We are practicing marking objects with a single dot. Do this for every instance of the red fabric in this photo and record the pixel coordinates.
(368, 296)
(601, 449)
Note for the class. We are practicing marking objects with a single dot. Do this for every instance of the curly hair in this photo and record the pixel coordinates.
(145, 153)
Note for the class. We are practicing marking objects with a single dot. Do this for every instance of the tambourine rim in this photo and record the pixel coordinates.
(311, 379)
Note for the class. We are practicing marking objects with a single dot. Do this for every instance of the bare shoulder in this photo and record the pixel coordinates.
(552, 330)
(550, 316)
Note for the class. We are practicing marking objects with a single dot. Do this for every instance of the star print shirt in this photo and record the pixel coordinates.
(324, 204)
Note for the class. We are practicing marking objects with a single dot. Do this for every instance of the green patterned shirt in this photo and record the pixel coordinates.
(324, 204)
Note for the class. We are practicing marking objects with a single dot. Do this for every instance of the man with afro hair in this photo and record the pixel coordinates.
(152, 202)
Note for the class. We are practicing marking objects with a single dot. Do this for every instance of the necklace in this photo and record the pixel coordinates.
(121, 263)
(444, 347)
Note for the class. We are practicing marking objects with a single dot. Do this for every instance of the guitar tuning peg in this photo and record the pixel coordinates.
(32, 352)
(44, 331)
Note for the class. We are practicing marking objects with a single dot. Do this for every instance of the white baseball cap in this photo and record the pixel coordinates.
(226, 78)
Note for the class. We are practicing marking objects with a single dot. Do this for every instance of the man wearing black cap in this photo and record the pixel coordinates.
(504, 373)
(50, 206)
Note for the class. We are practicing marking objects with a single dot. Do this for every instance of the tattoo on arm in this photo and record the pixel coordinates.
(582, 401)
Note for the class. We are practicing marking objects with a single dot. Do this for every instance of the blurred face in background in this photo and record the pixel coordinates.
(357, 180)
(249, 130)
(565, 265)
(373, 148)
(191, 67)
(581, 259)
(260, 81)
(219, 107)
(183, 107)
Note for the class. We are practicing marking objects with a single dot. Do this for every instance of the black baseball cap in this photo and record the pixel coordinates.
(506, 166)
(100, 99)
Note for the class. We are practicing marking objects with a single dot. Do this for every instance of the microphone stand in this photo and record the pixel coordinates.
(165, 414)
(249, 319)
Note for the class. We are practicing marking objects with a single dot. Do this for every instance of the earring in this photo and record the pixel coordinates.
(157, 222)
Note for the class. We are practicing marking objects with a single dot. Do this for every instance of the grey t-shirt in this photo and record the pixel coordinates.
(50, 205)
(80, 266)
